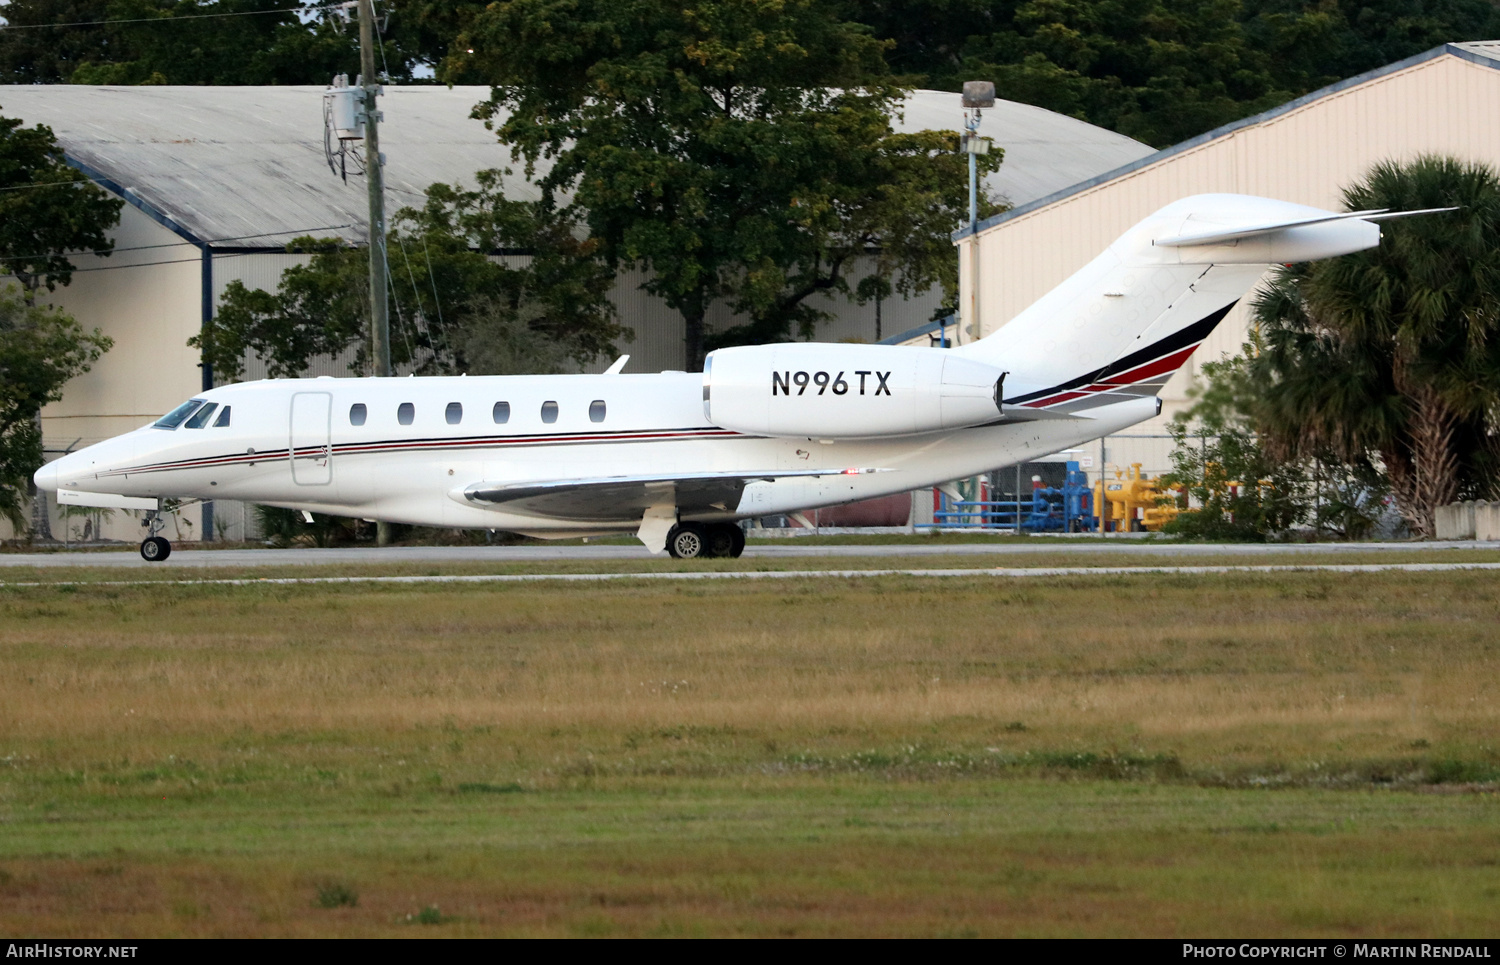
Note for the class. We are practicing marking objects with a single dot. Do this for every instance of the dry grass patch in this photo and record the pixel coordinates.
(1219, 672)
(1077, 756)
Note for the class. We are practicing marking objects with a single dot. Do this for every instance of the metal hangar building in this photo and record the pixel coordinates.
(219, 179)
(1305, 151)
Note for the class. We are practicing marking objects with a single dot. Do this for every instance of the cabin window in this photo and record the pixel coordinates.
(502, 413)
(596, 410)
(549, 412)
(200, 418)
(405, 413)
(176, 417)
(357, 414)
(223, 419)
(454, 413)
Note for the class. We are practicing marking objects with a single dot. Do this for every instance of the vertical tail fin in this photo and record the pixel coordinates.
(1123, 324)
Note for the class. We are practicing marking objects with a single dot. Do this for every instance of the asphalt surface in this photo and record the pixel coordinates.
(790, 549)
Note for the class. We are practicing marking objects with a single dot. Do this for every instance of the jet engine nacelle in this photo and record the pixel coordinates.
(837, 391)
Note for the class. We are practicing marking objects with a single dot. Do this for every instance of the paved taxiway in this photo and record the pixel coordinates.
(1020, 572)
(790, 549)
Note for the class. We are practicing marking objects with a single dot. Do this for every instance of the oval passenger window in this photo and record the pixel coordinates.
(454, 413)
(357, 414)
(405, 413)
(596, 410)
(502, 413)
(549, 412)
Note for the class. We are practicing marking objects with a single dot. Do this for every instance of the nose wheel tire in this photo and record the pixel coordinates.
(687, 541)
(154, 549)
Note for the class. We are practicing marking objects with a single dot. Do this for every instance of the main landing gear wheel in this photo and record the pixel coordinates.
(697, 541)
(687, 541)
(154, 549)
(725, 540)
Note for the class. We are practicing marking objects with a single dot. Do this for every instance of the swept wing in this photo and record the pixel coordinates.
(617, 498)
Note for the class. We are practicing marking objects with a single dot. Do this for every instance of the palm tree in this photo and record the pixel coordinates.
(1392, 353)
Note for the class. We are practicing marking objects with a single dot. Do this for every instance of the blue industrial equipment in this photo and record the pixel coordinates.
(1068, 508)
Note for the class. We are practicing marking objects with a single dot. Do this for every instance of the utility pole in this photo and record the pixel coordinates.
(380, 323)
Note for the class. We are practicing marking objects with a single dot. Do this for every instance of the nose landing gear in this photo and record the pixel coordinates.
(154, 548)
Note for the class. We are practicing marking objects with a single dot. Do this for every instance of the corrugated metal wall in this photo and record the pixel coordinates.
(1306, 155)
(147, 297)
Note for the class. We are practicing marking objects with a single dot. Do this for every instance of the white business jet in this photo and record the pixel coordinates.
(676, 458)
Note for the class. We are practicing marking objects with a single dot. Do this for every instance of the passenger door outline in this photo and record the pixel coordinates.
(310, 432)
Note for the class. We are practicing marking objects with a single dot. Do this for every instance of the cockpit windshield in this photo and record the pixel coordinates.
(178, 415)
(200, 418)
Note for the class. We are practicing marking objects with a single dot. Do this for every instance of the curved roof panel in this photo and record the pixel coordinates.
(1045, 152)
(244, 166)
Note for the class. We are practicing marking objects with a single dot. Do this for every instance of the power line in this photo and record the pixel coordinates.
(172, 244)
(191, 16)
(46, 184)
(173, 261)
(417, 294)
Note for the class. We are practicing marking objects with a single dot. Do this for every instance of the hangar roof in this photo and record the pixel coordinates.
(244, 167)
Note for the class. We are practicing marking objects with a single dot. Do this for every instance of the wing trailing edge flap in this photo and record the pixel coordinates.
(1015, 413)
(621, 499)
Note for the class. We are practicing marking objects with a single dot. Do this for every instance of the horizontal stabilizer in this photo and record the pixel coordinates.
(1225, 236)
(626, 498)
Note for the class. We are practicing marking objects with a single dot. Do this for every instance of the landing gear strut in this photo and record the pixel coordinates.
(155, 548)
(691, 541)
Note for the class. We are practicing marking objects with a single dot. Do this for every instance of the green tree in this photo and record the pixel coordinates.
(1235, 490)
(1162, 71)
(881, 225)
(40, 350)
(455, 308)
(740, 150)
(1238, 488)
(1311, 43)
(179, 42)
(428, 32)
(47, 209)
(189, 42)
(31, 53)
(1390, 355)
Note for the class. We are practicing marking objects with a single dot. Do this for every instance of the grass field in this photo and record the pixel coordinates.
(1281, 754)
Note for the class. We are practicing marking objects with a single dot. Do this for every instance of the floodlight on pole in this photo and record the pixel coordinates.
(977, 95)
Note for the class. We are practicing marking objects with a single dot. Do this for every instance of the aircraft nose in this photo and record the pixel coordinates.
(46, 477)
